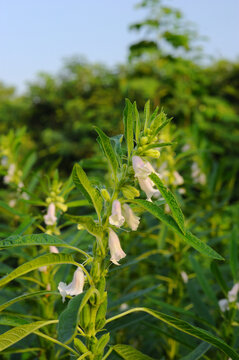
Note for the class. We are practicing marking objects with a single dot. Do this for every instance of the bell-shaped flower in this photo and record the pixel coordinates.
(141, 169)
(232, 294)
(223, 304)
(130, 217)
(75, 287)
(116, 252)
(178, 179)
(147, 187)
(232, 298)
(116, 218)
(50, 218)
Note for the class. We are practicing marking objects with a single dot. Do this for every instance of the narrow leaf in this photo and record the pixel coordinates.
(27, 296)
(35, 239)
(44, 260)
(81, 181)
(127, 352)
(146, 115)
(129, 126)
(108, 150)
(171, 201)
(137, 122)
(197, 353)
(88, 222)
(14, 335)
(189, 238)
(186, 328)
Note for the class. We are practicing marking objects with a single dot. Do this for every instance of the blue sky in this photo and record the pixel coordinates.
(36, 35)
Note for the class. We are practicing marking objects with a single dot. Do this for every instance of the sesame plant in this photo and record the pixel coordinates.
(70, 315)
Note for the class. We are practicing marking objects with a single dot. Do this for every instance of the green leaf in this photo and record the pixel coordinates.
(27, 296)
(197, 353)
(14, 335)
(171, 201)
(146, 115)
(108, 150)
(81, 181)
(48, 259)
(68, 320)
(129, 126)
(158, 145)
(186, 328)
(127, 352)
(233, 253)
(88, 222)
(137, 122)
(35, 239)
(189, 238)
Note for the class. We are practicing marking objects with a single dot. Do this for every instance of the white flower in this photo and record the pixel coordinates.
(12, 203)
(184, 276)
(142, 171)
(54, 250)
(4, 161)
(178, 178)
(116, 218)
(186, 147)
(232, 294)
(130, 217)
(232, 297)
(116, 251)
(50, 218)
(75, 287)
(147, 187)
(223, 304)
(10, 173)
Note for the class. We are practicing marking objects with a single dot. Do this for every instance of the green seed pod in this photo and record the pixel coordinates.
(101, 313)
(105, 195)
(130, 192)
(85, 318)
(101, 286)
(80, 346)
(152, 153)
(144, 140)
(102, 342)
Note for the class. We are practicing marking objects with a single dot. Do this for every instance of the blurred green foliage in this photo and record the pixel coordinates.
(59, 113)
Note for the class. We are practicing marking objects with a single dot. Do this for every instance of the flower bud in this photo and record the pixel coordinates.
(85, 318)
(105, 194)
(101, 314)
(152, 153)
(80, 346)
(130, 192)
(80, 227)
(144, 140)
(102, 342)
(61, 206)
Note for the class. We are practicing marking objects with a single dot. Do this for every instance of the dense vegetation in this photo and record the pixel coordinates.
(52, 127)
